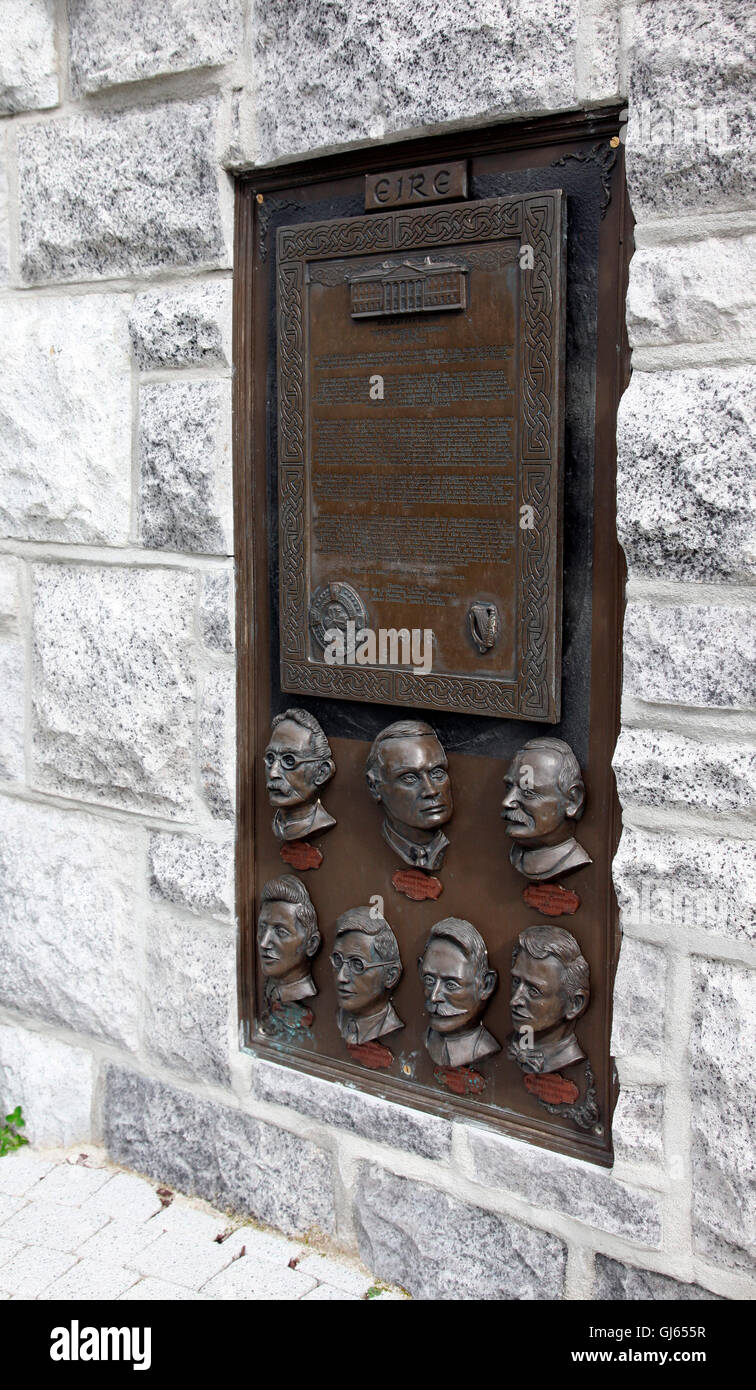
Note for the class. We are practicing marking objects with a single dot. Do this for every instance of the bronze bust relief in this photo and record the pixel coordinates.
(543, 794)
(408, 773)
(367, 967)
(457, 983)
(287, 939)
(550, 990)
(298, 762)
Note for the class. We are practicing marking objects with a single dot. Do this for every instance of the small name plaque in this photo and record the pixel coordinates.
(433, 183)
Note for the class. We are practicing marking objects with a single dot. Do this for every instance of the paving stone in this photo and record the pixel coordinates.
(186, 1223)
(683, 511)
(91, 1279)
(65, 420)
(637, 1124)
(640, 990)
(68, 944)
(615, 1280)
(219, 1153)
(124, 1197)
(33, 1269)
(178, 1261)
(182, 328)
(8, 1249)
(113, 688)
(697, 291)
(217, 743)
(656, 768)
(337, 1273)
(185, 467)
(9, 1205)
(723, 1121)
(580, 1190)
(687, 881)
(336, 1104)
(691, 104)
(690, 654)
(216, 611)
(437, 1247)
(326, 1293)
(268, 1246)
(52, 1225)
(190, 1006)
(119, 1242)
(328, 74)
(158, 1291)
(247, 1279)
(192, 871)
(28, 65)
(117, 193)
(13, 716)
(71, 1184)
(21, 1170)
(148, 38)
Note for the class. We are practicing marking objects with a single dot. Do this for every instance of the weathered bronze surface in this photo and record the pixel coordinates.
(298, 763)
(544, 794)
(366, 967)
(432, 183)
(407, 771)
(420, 451)
(550, 991)
(457, 982)
(529, 158)
(287, 939)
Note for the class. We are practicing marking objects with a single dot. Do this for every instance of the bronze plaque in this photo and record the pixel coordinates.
(420, 368)
(432, 183)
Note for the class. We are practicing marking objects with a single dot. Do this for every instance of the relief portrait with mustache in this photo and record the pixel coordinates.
(457, 982)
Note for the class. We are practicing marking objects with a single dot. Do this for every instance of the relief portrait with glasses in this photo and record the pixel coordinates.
(367, 967)
(298, 763)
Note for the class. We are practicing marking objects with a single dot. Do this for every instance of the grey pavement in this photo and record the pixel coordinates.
(75, 1226)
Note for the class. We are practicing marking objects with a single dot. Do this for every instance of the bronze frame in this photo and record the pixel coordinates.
(591, 136)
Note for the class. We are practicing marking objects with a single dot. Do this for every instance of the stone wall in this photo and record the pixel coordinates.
(117, 963)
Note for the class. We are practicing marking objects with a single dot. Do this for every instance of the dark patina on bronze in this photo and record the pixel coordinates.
(457, 982)
(420, 451)
(543, 795)
(550, 991)
(431, 183)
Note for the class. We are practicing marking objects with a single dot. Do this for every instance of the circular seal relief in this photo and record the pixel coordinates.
(333, 605)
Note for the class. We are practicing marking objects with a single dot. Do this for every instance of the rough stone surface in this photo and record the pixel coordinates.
(684, 510)
(190, 996)
(217, 743)
(681, 881)
(116, 193)
(218, 1153)
(436, 1247)
(65, 420)
(615, 1280)
(723, 1065)
(692, 654)
(587, 1193)
(216, 611)
(183, 328)
(114, 686)
(32, 1269)
(10, 593)
(637, 1124)
(110, 44)
(4, 228)
(366, 1115)
(28, 66)
(639, 999)
(67, 887)
(185, 467)
(691, 102)
(51, 1081)
(700, 291)
(13, 711)
(656, 768)
(192, 872)
(331, 73)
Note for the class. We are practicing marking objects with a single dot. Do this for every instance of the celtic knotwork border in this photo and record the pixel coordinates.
(535, 219)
